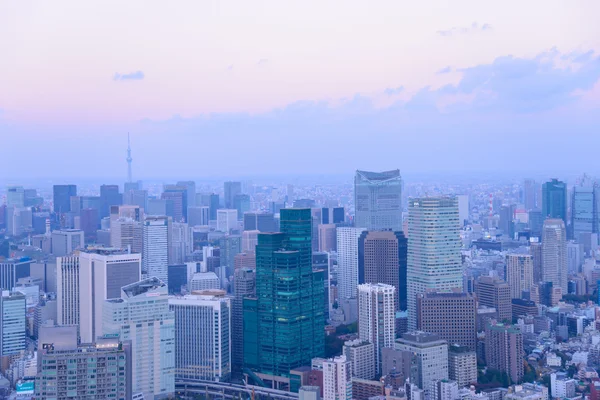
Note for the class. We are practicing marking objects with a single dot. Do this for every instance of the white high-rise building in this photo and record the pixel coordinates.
(202, 336)
(142, 316)
(443, 390)
(347, 247)
(378, 200)
(181, 242)
(554, 253)
(67, 290)
(102, 274)
(204, 281)
(337, 379)
(377, 316)
(227, 219)
(155, 260)
(519, 273)
(65, 241)
(434, 245)
(361, 354)
(126, 234)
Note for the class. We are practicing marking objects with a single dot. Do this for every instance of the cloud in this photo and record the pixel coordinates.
(263, 61)
(465, 30)
(394, 91)
(132, 76)
(445, 70)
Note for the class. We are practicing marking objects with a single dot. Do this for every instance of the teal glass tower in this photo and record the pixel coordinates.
(554, 200)
(284, 324)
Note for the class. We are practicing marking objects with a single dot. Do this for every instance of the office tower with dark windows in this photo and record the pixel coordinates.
(504, 350)
(190, 188)
(382, 259)
(244, 285)
(450, 315)
(12, 323)
(518, 273)
(283, 324)
(530, 190)
(176, 203)
(62, 197)
(231, 189)
(494, 292)
(210, 200)
(378, 200)
(109, 196)
(507, 215)
(198, 216)
(241, 202)
(434, 259)
(102, 274)
(554, 200)
(585, 209)
(260, 221)
(12, 270)
(535, 223)
(554, 254)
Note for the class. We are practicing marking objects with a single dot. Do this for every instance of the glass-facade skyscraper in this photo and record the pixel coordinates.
(378, 200)
(585, 207)
(434, 258)
(554, 200)
(284, 322)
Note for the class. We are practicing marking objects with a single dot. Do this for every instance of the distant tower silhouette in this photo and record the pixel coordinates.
(129, 159)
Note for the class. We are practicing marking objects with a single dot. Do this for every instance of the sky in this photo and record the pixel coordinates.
(242, 88)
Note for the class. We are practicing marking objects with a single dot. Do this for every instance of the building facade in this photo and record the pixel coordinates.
(378, 200)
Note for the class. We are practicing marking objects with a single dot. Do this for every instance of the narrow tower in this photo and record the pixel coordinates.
(129, 159)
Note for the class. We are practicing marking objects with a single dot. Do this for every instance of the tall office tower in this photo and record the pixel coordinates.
(378, 200)
(347, 248)
(504, 350)
(463, 209)
(62, 197)
(89, 222)
(180, 275)
(158, 207)
(361, 354)
(198, 216)
(180, 242)
(432, 357)
(519, 273)
(507, 215)
(249, 241)
(377, 316)
(241, 202)
(529, 194)
(382, 259)
(333, 215)
(585, 209)
(127, 234)
(136, 198)
(434, 261)
(462, 365)
(102, 274)
(226, 220)
(68, 370)
(288, 304)
(75, 204)
(142, 316)
(12, 270)
(109, 196)
(554, 200)
(231, 189)
(175, 204)
(535, 250)
(202, 336)
(450, 315)
(494, 292)
(244, 285)
(210, 200)
(15, 196)
(260, 221)
(66, 241)
(554, 253)
(244, 260)
(327, 237)
(536, 222)
(230, 246)
(67, 290)
(190, 187)
(337, 379)
(12, 323)
(155, 251)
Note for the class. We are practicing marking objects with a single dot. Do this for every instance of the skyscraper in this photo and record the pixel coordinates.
(202, 336)
(519, 273)
(12, 323)
(283, 324)
(67, 290)
(347, 247)
(554, 200)
(155, 252)
(530, 189)
(378, 200)
(142, 316)
(226, 220)
(12, 270)
(504, 350)
(66, 241)
(585, 209)
(327, 237)
(109, 196)
(554, 254)
(231, 189)
(494, 292)
(450, 315)
(337, 379)
(261, 221)
(377, 316)
(507, 215)
(244, 285)
(15, 196)
(434, 260)
(382, 259)
(102, 274)
(62, 197)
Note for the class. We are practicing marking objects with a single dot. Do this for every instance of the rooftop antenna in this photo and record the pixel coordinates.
(129, 159)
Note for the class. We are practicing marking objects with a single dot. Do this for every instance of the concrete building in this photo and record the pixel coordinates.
(462, 365)
(347, 257)
(337, 379)
(376, 317)
(102, 274)
(249, 241)
(450, 315)
(202, 336)
(361, 355)
(562, 387)
(227, 220)
(378, 200)
(554, 254)
(494, 292)
(142, 317)
(432, 357)
(12, 323)
(519, 273)
(443, 389)
(327, 237)
(504, 350)
(67, 290)
(199, 216)
(204, 281)
(181, 244)
(434, 244)
(260, 221)
(65, 241)
(155, 260)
